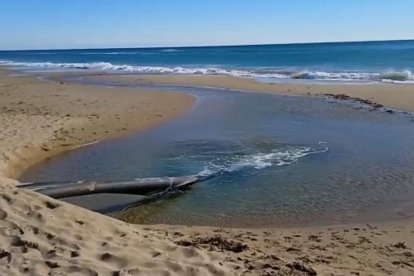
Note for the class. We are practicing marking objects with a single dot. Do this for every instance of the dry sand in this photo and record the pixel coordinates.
(42, 118)
(399, 97)
(42, 236)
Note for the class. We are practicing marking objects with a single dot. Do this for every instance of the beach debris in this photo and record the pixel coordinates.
(307, 270)
(216, 242)
(23, 244)
(5, 254)
(400, 245)
(74, 254)
(52, 264)
(314, 238)
(344, 97)
(51, 205)
(80, 222)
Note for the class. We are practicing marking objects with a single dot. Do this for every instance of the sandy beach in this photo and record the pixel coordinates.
(43, 236)
(394, 96)
(48, 118)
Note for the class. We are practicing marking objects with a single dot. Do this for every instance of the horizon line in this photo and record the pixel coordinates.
(212, 46)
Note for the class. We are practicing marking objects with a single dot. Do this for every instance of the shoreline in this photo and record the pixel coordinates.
(41, 235)
(400, 98)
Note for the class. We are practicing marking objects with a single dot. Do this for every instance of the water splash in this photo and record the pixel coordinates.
(259, 160)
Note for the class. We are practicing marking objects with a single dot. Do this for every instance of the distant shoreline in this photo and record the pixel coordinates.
(393, 96)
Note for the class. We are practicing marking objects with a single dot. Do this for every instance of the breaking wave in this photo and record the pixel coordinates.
(404, 76)
(388, 76)
(110, 53)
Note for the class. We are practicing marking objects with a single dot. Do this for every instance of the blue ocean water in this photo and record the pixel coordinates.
(391, 61)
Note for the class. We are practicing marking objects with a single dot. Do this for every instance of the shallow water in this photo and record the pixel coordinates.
(280, 161)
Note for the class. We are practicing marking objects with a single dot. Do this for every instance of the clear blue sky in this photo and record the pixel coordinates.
(35, 24)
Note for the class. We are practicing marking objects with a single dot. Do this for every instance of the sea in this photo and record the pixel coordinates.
(383, 61)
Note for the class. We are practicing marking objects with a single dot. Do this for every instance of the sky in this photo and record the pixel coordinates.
(65, 24)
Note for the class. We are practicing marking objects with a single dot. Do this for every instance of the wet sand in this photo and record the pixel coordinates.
(394, 96)
(39, 235)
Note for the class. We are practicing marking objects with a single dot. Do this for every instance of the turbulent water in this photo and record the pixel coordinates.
(352, 62)
(231, 161)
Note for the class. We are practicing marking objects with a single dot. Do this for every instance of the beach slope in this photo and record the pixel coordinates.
(43, 236)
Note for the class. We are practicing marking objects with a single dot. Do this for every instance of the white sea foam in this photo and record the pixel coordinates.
(110, 53)
(387, 76)
(404, 76)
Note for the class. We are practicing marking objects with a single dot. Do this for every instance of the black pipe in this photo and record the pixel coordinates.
(142, 186)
